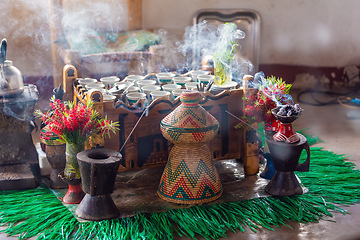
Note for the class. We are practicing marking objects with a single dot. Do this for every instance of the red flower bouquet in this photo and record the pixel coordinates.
(266, 95)
(75, 124)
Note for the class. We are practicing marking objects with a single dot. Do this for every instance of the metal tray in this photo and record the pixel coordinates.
(246, 20)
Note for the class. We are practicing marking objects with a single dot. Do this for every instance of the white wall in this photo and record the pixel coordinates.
(298, 32)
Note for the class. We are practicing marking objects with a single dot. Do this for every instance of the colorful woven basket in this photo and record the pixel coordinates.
(190, 176)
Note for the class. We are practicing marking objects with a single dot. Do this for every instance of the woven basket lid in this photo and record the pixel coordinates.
(189, 122)
(48, 137)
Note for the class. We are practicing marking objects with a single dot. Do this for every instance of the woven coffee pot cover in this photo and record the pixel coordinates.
(189, 176)
(189, 123)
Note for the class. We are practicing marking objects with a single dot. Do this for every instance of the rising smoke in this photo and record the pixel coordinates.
(83, 25)
(204, 40)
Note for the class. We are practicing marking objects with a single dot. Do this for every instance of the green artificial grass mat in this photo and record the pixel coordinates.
(331, 182)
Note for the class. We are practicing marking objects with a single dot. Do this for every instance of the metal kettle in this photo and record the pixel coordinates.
(11, 82)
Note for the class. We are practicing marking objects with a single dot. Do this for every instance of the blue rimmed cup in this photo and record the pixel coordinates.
(165, 77)
(109, 82)
(134, 97)
(170, 87)
(159, 94)
(182, 80)
(191, 86)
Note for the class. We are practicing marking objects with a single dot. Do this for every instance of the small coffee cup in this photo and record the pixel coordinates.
(165, 77)
(170, 87)
(160, 94)
(109, 82)
(182, 80)
(134, 97)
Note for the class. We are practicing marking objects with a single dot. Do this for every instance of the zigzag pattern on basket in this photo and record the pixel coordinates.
(181, 190)
(202, 119)
(174, 185)
(189, 121)
(192, 178)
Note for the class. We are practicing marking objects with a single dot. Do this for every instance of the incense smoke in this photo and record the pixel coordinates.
(204, 39)
(200, 41)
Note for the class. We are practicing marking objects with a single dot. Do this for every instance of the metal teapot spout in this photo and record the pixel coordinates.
(4, 84)
(3, 49)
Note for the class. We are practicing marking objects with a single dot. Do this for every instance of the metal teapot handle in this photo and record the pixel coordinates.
(305, 166)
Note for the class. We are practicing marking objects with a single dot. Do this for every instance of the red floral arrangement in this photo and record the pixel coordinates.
(74, 124)
(269, 93)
